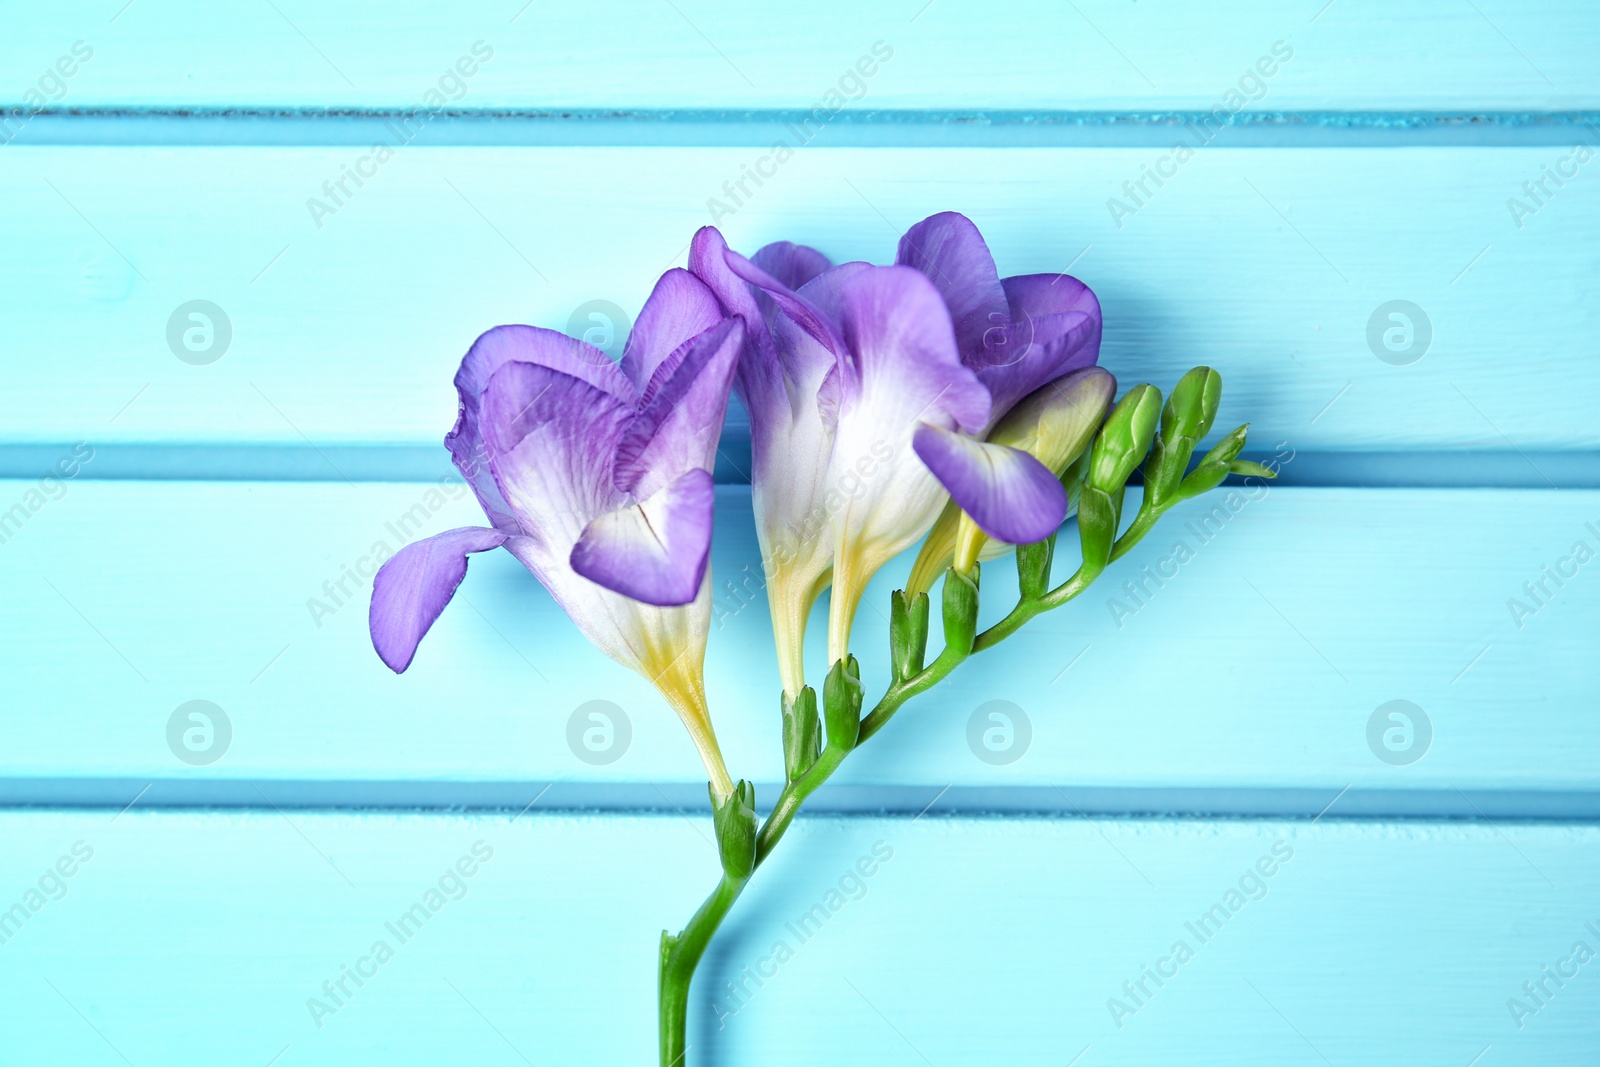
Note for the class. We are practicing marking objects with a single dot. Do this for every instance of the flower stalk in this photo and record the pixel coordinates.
(1119, 447)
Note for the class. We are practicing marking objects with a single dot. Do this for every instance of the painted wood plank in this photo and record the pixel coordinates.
(1272, 265)
(200, 939)
(952, 54)
(1254, 656)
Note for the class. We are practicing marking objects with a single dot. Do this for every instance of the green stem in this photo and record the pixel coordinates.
(680, 956)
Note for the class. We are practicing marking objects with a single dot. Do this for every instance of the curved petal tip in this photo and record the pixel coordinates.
(413, 586)
(1010, 495)
(655, 551)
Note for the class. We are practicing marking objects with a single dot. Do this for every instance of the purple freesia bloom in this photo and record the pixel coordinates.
(597, 478)
(870, 392)
(1016, 334)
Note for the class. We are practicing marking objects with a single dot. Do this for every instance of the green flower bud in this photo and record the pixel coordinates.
(1125, 438)
(1229, 447)
(841, 704)
(1033, 567)
(1192, 407)
(960, 609)
(1213, 466)
(1056, 422)
(802, 733)
(735, 821)
(908, 633)
(1187, 418)
(1097, 528)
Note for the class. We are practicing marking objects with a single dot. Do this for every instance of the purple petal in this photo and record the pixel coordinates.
(791, 264)
(805, 314)
(679, 307)
(654, 551)
(490, 352)
(759, 378)
(1009, 494)
(546, 348)
(413, 586)
(902, 360)
(1054, 330)
(551, 441)
(949, 249)
(678, 427)
(1037, 295)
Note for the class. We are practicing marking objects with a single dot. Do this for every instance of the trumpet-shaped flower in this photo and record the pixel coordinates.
(890, 390)
(869, 401)
(597, 478)
(781, 378)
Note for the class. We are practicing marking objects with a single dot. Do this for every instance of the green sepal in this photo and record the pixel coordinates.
(1248, 467)
(1073, 479)
(669, 942)
(1033, 567)
(1163, 471)
(735, 819)
(960, 610)
(1125, 438)
(802, 733)
(841, 704)
(908, 633)
(1097, 528)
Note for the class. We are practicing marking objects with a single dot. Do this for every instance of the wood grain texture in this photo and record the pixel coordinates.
(199, 939)
(1256, 662)
(950, 54)
(1267, 264)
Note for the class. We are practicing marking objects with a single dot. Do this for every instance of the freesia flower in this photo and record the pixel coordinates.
(597, 478)
(780, 378)
(869, 401)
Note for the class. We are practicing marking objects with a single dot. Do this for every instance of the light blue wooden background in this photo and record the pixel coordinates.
(1172, 747)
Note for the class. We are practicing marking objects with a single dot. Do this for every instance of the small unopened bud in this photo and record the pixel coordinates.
(1214, 466)
(1125, 438)
(1056, 422)
(1192, 407)
(1225, 450)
